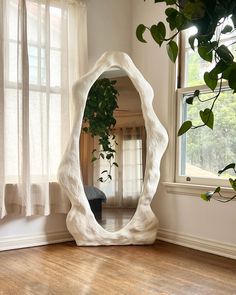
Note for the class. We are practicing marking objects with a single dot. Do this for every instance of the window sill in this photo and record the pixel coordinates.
(193, 189)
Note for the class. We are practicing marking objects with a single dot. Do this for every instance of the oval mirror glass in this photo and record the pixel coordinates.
(113, 164)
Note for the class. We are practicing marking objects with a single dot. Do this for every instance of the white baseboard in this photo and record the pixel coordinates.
(194, 242)
(17, 242)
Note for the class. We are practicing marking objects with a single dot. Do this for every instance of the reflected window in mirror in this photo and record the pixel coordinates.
(126, 185)
(128, 140)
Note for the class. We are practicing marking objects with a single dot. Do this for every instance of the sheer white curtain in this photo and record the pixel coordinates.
(127, 180)
(41, 55)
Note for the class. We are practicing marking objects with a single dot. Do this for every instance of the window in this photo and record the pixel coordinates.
(127, 180)
(201, 152)
(45, 90)
(36, 74)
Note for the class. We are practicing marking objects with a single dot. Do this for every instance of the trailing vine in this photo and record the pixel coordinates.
(99, 122)
(208, 16)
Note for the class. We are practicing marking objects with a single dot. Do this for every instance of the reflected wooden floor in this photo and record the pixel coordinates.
(114, 219)
(160, 269)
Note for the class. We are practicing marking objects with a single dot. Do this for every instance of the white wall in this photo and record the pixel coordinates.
(109, 27)
(184, 217)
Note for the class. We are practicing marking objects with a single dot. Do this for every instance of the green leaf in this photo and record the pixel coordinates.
(109, 176)
(185, 127)
(196, 93)
(171, 17)
(204, 197)
(172, 50)
(114, 163)
(210, 80)
(189, 100)
(207, 117)
(217, 190)
(232, 79)
(229, 166)
(158, 33)
(139, 33)
(207, 196)
(109, 156)
(219, 68)
(170, 11)
(180, 21)
(191, 40)
(227, 29)
(162, 29)
(233, 183)
(225, 54)
(228, 69)
(93, 159)
(206, 53)
(104, 171)
(194, 9)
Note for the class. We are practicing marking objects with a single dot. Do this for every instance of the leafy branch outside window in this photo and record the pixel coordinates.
(99, 122)
(209, 17)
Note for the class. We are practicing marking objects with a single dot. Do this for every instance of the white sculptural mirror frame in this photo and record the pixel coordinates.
(81, 223)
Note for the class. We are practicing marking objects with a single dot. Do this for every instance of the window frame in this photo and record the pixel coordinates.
(179, 94)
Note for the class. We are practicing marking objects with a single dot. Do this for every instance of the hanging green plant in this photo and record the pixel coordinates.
(99, 122)
(209, 17)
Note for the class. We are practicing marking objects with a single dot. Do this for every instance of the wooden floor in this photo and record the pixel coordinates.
(114, 219)
(158, 269)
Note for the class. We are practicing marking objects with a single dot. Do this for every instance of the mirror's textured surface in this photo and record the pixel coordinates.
(81, 222)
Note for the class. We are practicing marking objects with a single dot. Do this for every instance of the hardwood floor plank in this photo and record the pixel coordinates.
(160, 269)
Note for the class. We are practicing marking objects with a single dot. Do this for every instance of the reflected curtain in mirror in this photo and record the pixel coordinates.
(39, 62)
(124, 189)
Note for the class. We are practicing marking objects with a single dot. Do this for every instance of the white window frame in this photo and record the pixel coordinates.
(180, 92)
(185, 178)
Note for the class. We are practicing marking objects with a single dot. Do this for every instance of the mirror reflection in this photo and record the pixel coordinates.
(113, 164)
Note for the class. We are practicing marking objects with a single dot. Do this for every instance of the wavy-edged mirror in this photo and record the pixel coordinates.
(113, 199)
(83, 224)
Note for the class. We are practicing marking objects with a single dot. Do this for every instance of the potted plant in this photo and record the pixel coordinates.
(99, 121)
(207, 16)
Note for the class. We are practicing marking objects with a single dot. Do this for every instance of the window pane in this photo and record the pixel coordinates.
(194, 67)
(132, 188)
(11, 134)
(12, 62)
(55, 127)
(45, 133)
(203, 151)
(55, 66)
(33, 64)
(13, 19)
(32, 21)
(55, 24)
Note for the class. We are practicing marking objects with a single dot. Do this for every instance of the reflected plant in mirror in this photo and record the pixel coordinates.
(115, 144)
(123, 192)
(99, 122)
